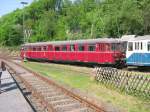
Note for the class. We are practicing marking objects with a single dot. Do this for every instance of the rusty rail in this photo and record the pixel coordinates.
(32, 90)
(49, 107)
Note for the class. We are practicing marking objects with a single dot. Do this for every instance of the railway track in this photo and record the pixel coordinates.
(47, 96)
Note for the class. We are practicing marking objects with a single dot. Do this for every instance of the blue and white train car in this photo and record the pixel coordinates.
(138, 51)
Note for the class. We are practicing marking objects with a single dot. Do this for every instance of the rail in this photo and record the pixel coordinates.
(42, 98)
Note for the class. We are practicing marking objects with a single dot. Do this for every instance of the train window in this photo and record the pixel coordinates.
(39, 49)
(117, 46)
(72, 47)
(114, 46)
(51, 48)
(148, 46)
(101, 47)
(22, 49)
(137, 45)
(80, 48)
(57, 48)
(25, 48)
(107, 47)
(34, 48)
(130, 46)
(44, 48)
(64, 48)
(91, 47)
(141, 45)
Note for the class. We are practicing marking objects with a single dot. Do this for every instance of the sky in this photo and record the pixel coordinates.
(7, 6)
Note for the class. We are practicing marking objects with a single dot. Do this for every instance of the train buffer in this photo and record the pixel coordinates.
(11, 98)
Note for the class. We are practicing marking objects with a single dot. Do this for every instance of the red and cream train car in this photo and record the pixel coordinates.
(101, 51)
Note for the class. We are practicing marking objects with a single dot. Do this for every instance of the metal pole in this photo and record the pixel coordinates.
(23, 18)
(23, 27)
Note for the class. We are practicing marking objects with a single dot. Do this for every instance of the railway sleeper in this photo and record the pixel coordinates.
(68, 107)
(62, 102)
(66, 104)
(84, 109)
(47, 93)
(56, 98)
(42, 91)
(42, 87)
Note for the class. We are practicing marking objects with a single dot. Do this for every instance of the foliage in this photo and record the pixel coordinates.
(75, 20)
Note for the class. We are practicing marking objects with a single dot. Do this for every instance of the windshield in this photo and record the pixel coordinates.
(118, 47)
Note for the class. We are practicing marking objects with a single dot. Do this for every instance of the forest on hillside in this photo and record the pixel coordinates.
(46, 20)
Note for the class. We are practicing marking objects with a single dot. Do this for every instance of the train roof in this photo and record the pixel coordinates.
(88, 41)
(135, 38)
(145, 37)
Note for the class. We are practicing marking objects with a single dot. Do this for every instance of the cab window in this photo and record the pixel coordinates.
(130, 46)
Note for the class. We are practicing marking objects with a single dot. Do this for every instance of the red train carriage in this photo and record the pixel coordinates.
(101, 51)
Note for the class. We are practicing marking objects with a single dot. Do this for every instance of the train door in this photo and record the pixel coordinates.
(148, 53)
(81, 52)
(22, 51)
(50, 52)
(129, 52)
(72, 52)
(25, 52)
(101, 54)
(57, 52)
(141, 51)
(91, 54)
(138, 53)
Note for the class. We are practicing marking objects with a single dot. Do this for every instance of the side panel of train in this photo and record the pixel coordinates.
(138, 53)
(104, 53)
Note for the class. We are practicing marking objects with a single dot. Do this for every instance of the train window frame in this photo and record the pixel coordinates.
(57, 47)
(81, 48)
(64, 48)
(91, 47)
(148, 46)
(130, 46)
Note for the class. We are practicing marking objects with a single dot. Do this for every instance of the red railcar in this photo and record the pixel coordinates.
(101, 51)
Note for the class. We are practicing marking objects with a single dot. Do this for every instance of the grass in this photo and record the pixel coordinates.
(87, 84)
